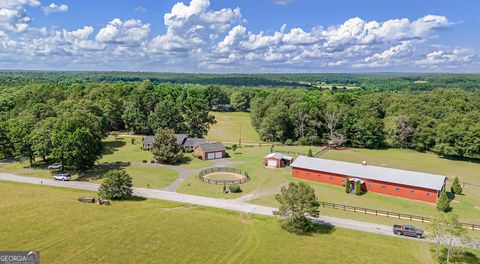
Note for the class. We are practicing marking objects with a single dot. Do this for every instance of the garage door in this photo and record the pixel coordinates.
(272, 163)
(218, 155)
(211, 156)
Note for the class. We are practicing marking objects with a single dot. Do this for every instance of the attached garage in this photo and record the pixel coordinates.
(210, 151)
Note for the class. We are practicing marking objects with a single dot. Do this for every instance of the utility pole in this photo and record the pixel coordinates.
(240, 139)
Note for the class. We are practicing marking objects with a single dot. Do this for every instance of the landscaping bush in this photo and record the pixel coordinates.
(358, 188)
(234, 188)
(456, 187)
(310, 153)
(443, 203)
(116, 186)
(347, 185)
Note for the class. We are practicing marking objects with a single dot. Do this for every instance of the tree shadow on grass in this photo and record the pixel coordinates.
(316, 226)
(111, 146)
(184, 160)
(137, 198)
(99, 171)
(464, 257)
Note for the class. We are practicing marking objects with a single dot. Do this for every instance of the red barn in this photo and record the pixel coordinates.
(402, 183)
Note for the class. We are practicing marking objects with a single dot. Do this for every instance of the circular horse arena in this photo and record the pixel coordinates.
(223, 176)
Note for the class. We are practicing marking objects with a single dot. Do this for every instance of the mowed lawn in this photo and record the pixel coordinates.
(265, 183)
(227, 128)
(64, 230)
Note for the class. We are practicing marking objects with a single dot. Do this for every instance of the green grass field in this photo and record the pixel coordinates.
(267, 182)
(64, 230)
(122, 149)
(227, 128)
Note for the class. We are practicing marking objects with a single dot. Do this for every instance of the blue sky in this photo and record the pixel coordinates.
(241, 36)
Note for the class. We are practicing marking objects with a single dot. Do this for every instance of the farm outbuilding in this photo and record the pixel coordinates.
(277, 160)
(210, 151)
(401, 183)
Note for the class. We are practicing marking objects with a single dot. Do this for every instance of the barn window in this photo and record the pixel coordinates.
(428, 194)
(383, 186)
(308, 173)
(412, 191)
(397, 189)
(331, 178)
(370, 185)
(319, 175)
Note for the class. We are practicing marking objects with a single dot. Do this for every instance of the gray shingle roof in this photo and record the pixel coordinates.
(410, 178)
(193, 142)
(277, 155)
(212, 147)
(148, 140)
(181, 138)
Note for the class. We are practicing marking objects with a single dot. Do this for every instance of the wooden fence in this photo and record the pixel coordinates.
(223, 182)
(375, 212)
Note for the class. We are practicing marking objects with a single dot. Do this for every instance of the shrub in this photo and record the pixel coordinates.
(310, 153)
(443, 204)
(133, 141)
(234, 188)
(289, 142)
(234, 147)
(152, 161)
(224, 189)
(116, 186)
(144, 161)
(358, 188)
(456, 187)
(347, 185)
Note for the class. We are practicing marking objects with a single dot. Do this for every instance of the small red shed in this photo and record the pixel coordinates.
(277, 160)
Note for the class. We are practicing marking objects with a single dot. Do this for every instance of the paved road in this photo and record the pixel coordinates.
(233, 205)
(203, 201)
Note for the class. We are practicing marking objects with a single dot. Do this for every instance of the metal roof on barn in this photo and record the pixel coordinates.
(404, 177)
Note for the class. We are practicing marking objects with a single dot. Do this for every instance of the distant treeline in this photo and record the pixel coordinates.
(370, 82)
(66, 120)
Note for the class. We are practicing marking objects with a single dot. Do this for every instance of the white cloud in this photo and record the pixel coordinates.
(199, 38)
(54, 8)
(454, 57)
(140, 9)
(129, 33)
(283, 2)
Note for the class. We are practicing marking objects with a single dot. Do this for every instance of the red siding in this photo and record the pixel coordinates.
(410, 192)
(204, 155)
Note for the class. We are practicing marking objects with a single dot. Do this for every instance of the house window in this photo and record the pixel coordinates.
(397, 189)
(370, 185)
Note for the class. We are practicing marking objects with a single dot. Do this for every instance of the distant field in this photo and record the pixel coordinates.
(66, 231)
(227, 128)
(410, 160)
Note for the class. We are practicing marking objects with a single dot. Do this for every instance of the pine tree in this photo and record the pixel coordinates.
(456, 187)
(358, 187)
(347, 185)
(310, 153)
(443, 204)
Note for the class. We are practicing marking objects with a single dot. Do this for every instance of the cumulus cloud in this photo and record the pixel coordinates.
(54, 8)
(445, 57)
(129, 33)
(283, 2)
(13, 16)
(198, 37)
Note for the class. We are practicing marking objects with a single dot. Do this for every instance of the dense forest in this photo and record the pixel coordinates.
(370, 82)
(64, 116)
